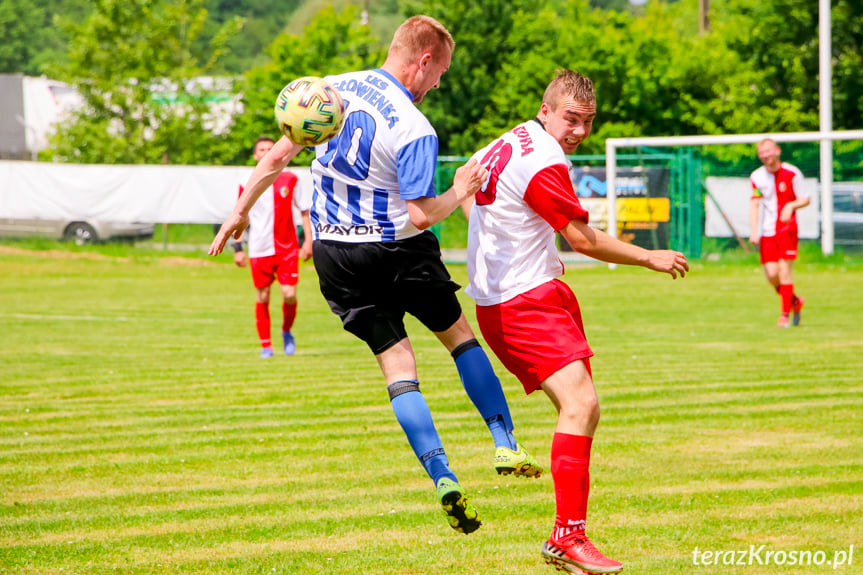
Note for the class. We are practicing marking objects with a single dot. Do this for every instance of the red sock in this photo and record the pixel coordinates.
(262, 321)
(570, 469)
(289, 313)
(786, 292)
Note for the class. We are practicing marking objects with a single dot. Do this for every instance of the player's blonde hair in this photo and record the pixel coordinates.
(420, 34)
(569, 83)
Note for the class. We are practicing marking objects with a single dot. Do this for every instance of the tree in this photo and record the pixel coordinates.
(334, 42)
(780, 37)
(18, 18)
(134, 65)
(654, 75)
(482, 31)
(847, 17)
(265, 19)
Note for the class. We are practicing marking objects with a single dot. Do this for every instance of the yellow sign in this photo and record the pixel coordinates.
(628, 210)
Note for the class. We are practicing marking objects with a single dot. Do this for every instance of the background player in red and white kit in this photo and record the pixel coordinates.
(274, 251)
(529, 318)
(777, 188)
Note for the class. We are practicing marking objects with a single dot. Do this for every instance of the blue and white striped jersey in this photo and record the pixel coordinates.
(385, 154)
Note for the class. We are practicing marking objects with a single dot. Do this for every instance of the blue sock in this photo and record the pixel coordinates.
(483, 388)
(415, 418)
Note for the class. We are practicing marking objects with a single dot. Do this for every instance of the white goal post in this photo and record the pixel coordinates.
(612, 144)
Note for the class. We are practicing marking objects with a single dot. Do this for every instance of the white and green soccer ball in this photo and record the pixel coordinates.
(310, 111)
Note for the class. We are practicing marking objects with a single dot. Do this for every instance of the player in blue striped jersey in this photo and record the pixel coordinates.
(376, 259)
(386, 158)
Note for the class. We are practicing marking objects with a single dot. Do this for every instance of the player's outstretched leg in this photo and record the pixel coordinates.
(484, 389)
(415, 419)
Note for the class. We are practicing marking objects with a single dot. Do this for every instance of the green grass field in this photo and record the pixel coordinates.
(141, 434)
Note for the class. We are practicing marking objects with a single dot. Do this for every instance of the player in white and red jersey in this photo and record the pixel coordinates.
(531, 319)
(377, 260)
(274, 251)
(777, 189)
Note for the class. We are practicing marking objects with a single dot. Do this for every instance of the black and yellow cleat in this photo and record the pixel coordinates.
(519, 463)
(459, 512)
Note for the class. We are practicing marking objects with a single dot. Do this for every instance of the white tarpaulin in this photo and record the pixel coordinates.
(146, 193)
(733, 195)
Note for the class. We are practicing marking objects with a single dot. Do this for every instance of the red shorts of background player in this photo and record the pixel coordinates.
(782, 246)
(536, 333)
(285, 268)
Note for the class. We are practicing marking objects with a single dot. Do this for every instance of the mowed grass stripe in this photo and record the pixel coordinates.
(156, 440)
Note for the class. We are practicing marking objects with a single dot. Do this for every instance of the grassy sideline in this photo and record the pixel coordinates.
(140, 433)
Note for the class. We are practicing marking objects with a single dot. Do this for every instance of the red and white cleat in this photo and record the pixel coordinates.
(576, 554)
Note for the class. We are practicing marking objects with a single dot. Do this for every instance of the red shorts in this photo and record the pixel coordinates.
(284, 267)
(782, 246)
(536, 333)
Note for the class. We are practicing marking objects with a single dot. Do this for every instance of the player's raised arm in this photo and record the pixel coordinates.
(598, 244)
(265, 173)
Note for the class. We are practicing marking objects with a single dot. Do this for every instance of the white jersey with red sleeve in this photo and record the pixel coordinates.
(774, 191)
(527, 198)
(271, 220)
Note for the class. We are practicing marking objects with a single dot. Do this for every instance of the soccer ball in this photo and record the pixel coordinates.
(310, 111)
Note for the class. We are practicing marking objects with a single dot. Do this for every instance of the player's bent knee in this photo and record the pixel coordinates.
(583, 409)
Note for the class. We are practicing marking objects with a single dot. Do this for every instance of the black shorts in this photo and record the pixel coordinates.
(371, 286)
